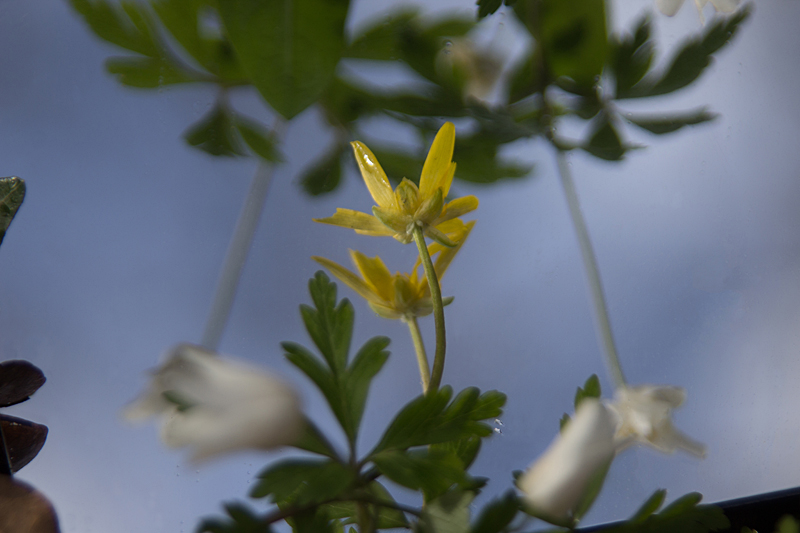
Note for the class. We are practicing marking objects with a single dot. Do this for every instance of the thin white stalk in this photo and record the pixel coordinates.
(236, 257)
(606, 337)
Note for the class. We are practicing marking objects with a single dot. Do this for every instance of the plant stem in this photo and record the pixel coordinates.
(438, 309)
(419, 348)
(236, 256)
(592, 273)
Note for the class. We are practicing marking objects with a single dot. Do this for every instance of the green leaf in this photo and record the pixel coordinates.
(592, 490)
(311, 521)
(447, 514)
(215, 134)
(303, 482)
(429, 419)
(563, 422)
(478, 162)
(524, 80)
(631, 57)
(430, 471)
(128, 27)
(289, 49)
(684, 515)
(574, 39)
(692, 59)
(590, 389)
(487, 7)
(497, 514)
(649, 507)
(146, 72)
(325, 173)
(329, 325)
(242, 520)
(669, 123)
(787, 524)
(365, 365)
(380, 40)
(312, 440)
(263, 143)
(604, 142)
(388, 517)
(315, 370)
(465, 449)
(12, 193)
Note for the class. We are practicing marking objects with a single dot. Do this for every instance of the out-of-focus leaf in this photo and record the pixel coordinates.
(312, 440)
(670, 123)
(12, 193)
(487, 7)
(262, 142)
(311, 521)
(240, 520)
(649, 507)
(497, 514)
(289, 49)
(24, 440)
(605, 142)
(430, 471)
(303, 481)
(125, 24)
(215, 134)
(565, 418)
(573, 39)
(592, 491)
(388, 517)
(325, 173)
(684, 515)
(631, 57)
(447, 514)
(477, 162)
(692, 59)
(590, 389)
(432, 418)
(146, 72)
(524, 80)
(381, 40)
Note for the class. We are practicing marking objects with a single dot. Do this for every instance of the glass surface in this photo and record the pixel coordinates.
(114, 256)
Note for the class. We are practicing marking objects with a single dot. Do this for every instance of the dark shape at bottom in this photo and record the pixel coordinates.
(18, 380)
(23, 509)
(23, 440)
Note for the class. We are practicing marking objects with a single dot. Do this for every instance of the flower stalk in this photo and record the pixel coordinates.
(419, 349)
(438, 308)
(592, 273)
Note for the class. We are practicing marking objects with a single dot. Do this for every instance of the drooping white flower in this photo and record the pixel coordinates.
(556, 482)
(670, 7)
(214, 405)
(644, 414)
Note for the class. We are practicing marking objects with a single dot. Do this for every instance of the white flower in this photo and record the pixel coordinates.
(644, 414)
(670, 7)
(214, 405)
(555, 484)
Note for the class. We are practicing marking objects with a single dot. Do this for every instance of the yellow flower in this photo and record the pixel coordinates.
(399, 211)
(399, 295)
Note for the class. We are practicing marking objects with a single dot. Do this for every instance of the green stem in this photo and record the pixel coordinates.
(236, 256)
(438, 309)
(592, 273)
(419, 348)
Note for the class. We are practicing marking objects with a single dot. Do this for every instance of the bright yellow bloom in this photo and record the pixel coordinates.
(399, 295)
(399, 211)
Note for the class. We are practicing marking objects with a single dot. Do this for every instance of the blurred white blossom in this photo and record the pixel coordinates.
(670, 7)
(556, 483)
(644, 414)
(214, 405)
(477, 69)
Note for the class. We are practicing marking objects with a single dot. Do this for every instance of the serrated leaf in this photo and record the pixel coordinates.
(329, 325)
(653, 504)
(288, 49)
(366, 364)
(590, 389)
(430, 471)
(631, 57)
(447, 514)
(465, 449)
(116, 26)
(263, 143)
(324, 174)
(146, 72)
(12, 194)
(241, 520)
(669, 123)
(303, 482)
(604, 142)
(312, 440)
(387, 517)
(215, 134)
(497, 514)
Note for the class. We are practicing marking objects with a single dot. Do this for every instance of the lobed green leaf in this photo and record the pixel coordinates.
(303, 482)
(12, 194)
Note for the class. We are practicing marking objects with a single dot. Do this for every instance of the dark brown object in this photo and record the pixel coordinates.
(23, 509)
(23, 440)
(18, 381)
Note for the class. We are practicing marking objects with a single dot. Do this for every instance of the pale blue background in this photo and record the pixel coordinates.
(114, 256)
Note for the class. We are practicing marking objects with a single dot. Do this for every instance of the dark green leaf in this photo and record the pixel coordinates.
(670, 123)
(684, 515)
(215, 134)
(487, 7)
(12, 193)
(465, 449)
(303, 481)
(590, 389)
(604, 142)
(478, 162)
(289, 49)
(388, 517)
(692, 59)
(563, 422)
(447, 514)
(574, 39)
(311, 521)
(381, 40)
(366, 364)
(262, 142)
(313, 368)
(242, 520)
(330, 326)
(428, 419)
(497, 514)
(631, 57)
(127, 27)
(146, 72)
(649, 507)
(325, 173)
(430, 471)
(312, 440)
(524, 80)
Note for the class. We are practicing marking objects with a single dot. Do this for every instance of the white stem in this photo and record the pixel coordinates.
(236, 256)
(602, 322)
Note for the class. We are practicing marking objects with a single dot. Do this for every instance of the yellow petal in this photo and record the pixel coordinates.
(446, 179)
(375, 274)
(439, 160)
(457, 207)
(374, 176)
(348, 218)
(349, 279)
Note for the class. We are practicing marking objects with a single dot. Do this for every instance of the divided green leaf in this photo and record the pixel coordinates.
(12, 193)
(447, 514)
(241, 520)
(431, 471)
(216, 134)
(669, 123)
(325, 174)
(302, 482)
(684, 515)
